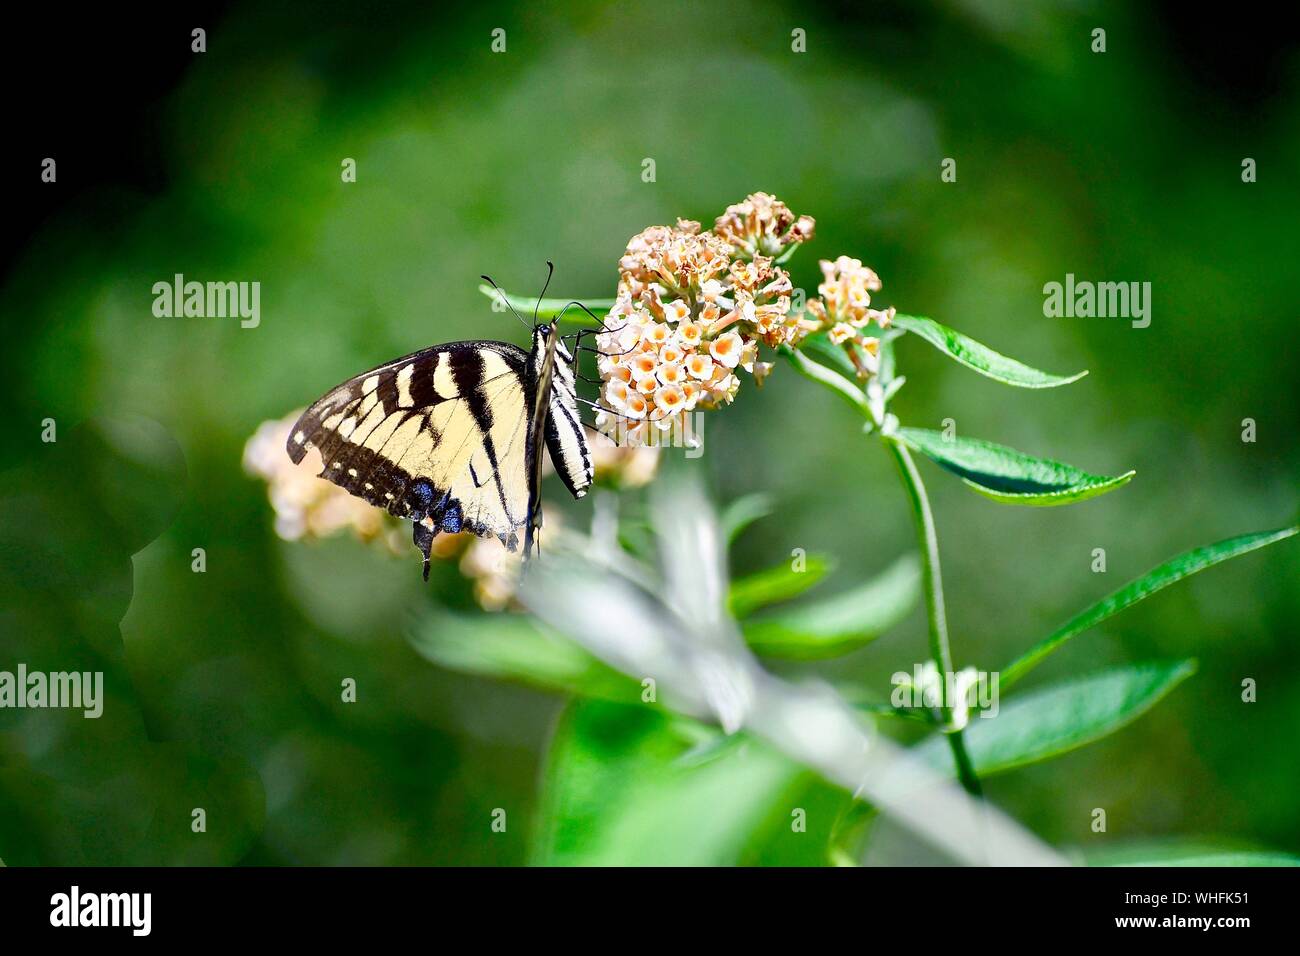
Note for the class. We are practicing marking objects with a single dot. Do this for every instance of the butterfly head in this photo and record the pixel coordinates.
(543, 331)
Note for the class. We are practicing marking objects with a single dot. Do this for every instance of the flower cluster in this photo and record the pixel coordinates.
(307, 506)
(691, 311)
(762, 224)
(843, 308)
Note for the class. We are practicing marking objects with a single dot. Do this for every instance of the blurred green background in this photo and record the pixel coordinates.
(224, 686)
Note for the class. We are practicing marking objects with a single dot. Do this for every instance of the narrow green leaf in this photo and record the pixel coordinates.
(981, 358)
(1061, 717)
(839, 624)
(780, 582)
(512, 647)
(1172, 571)
(744, 511)
(827, 353)
(1007, 475)
(550, 308)
(1187, 853)
(615, 792)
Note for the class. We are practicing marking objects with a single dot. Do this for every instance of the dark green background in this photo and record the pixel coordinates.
(224, 686)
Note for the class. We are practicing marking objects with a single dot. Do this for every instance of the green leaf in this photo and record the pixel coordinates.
(1061, 717)
(827, 353)
(1187, 853)
(1007, 475)
(775, 584)
(1172, 571)
(744, 511)
(550, 308)
(981, 358)
(839, 624)
(615, 793)
(513, 647)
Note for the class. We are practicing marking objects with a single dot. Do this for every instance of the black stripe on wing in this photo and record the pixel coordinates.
(385, 401)
(566, 439)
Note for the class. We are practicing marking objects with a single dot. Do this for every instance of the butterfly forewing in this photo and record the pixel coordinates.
(450, 437)
(434, 435)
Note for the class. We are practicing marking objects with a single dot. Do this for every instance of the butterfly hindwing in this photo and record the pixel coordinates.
(566, 439)
(450, 437)
(439, 437)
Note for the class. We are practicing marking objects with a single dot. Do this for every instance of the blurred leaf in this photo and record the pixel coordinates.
(979, 357)
(1172, 571)
(839, 624)
(743, 512)
(614, 793)
(1007, 475)
(513, 647)
(850, 832)
(550, 308)
(818, 808)
(781, 582)
(1061, 717)
(1186, 853)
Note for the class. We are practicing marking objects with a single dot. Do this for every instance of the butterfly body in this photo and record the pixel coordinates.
(451, 437)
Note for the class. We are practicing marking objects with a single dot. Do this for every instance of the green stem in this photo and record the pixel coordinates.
(933, 583)
(871, 405)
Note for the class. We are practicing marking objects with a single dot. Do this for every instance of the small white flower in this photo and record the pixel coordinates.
(842, 332)
(616, 393)
(711, 289)
(676, 311)
(658, 334)
(644, 366)
(636, 406)
(700, 366)
(671, 373)
(669, 399)
(748, 354)
(726, 349)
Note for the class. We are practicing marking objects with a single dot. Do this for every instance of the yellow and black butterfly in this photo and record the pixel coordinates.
(450, 437)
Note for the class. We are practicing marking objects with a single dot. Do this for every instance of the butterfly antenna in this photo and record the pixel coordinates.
(550, 271)
(504, 298)
(601, 327)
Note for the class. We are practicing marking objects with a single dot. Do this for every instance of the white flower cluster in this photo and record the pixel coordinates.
(844, 309)
(692, 309)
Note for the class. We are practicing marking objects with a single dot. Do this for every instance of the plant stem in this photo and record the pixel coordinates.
(932, 580)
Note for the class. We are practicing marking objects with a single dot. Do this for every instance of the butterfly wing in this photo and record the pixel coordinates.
(566, 441)
(556, 422)
(440, 436)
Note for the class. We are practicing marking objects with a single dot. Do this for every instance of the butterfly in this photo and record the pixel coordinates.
(451, 437)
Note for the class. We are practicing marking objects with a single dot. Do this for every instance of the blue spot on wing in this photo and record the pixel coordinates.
(452, 519)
